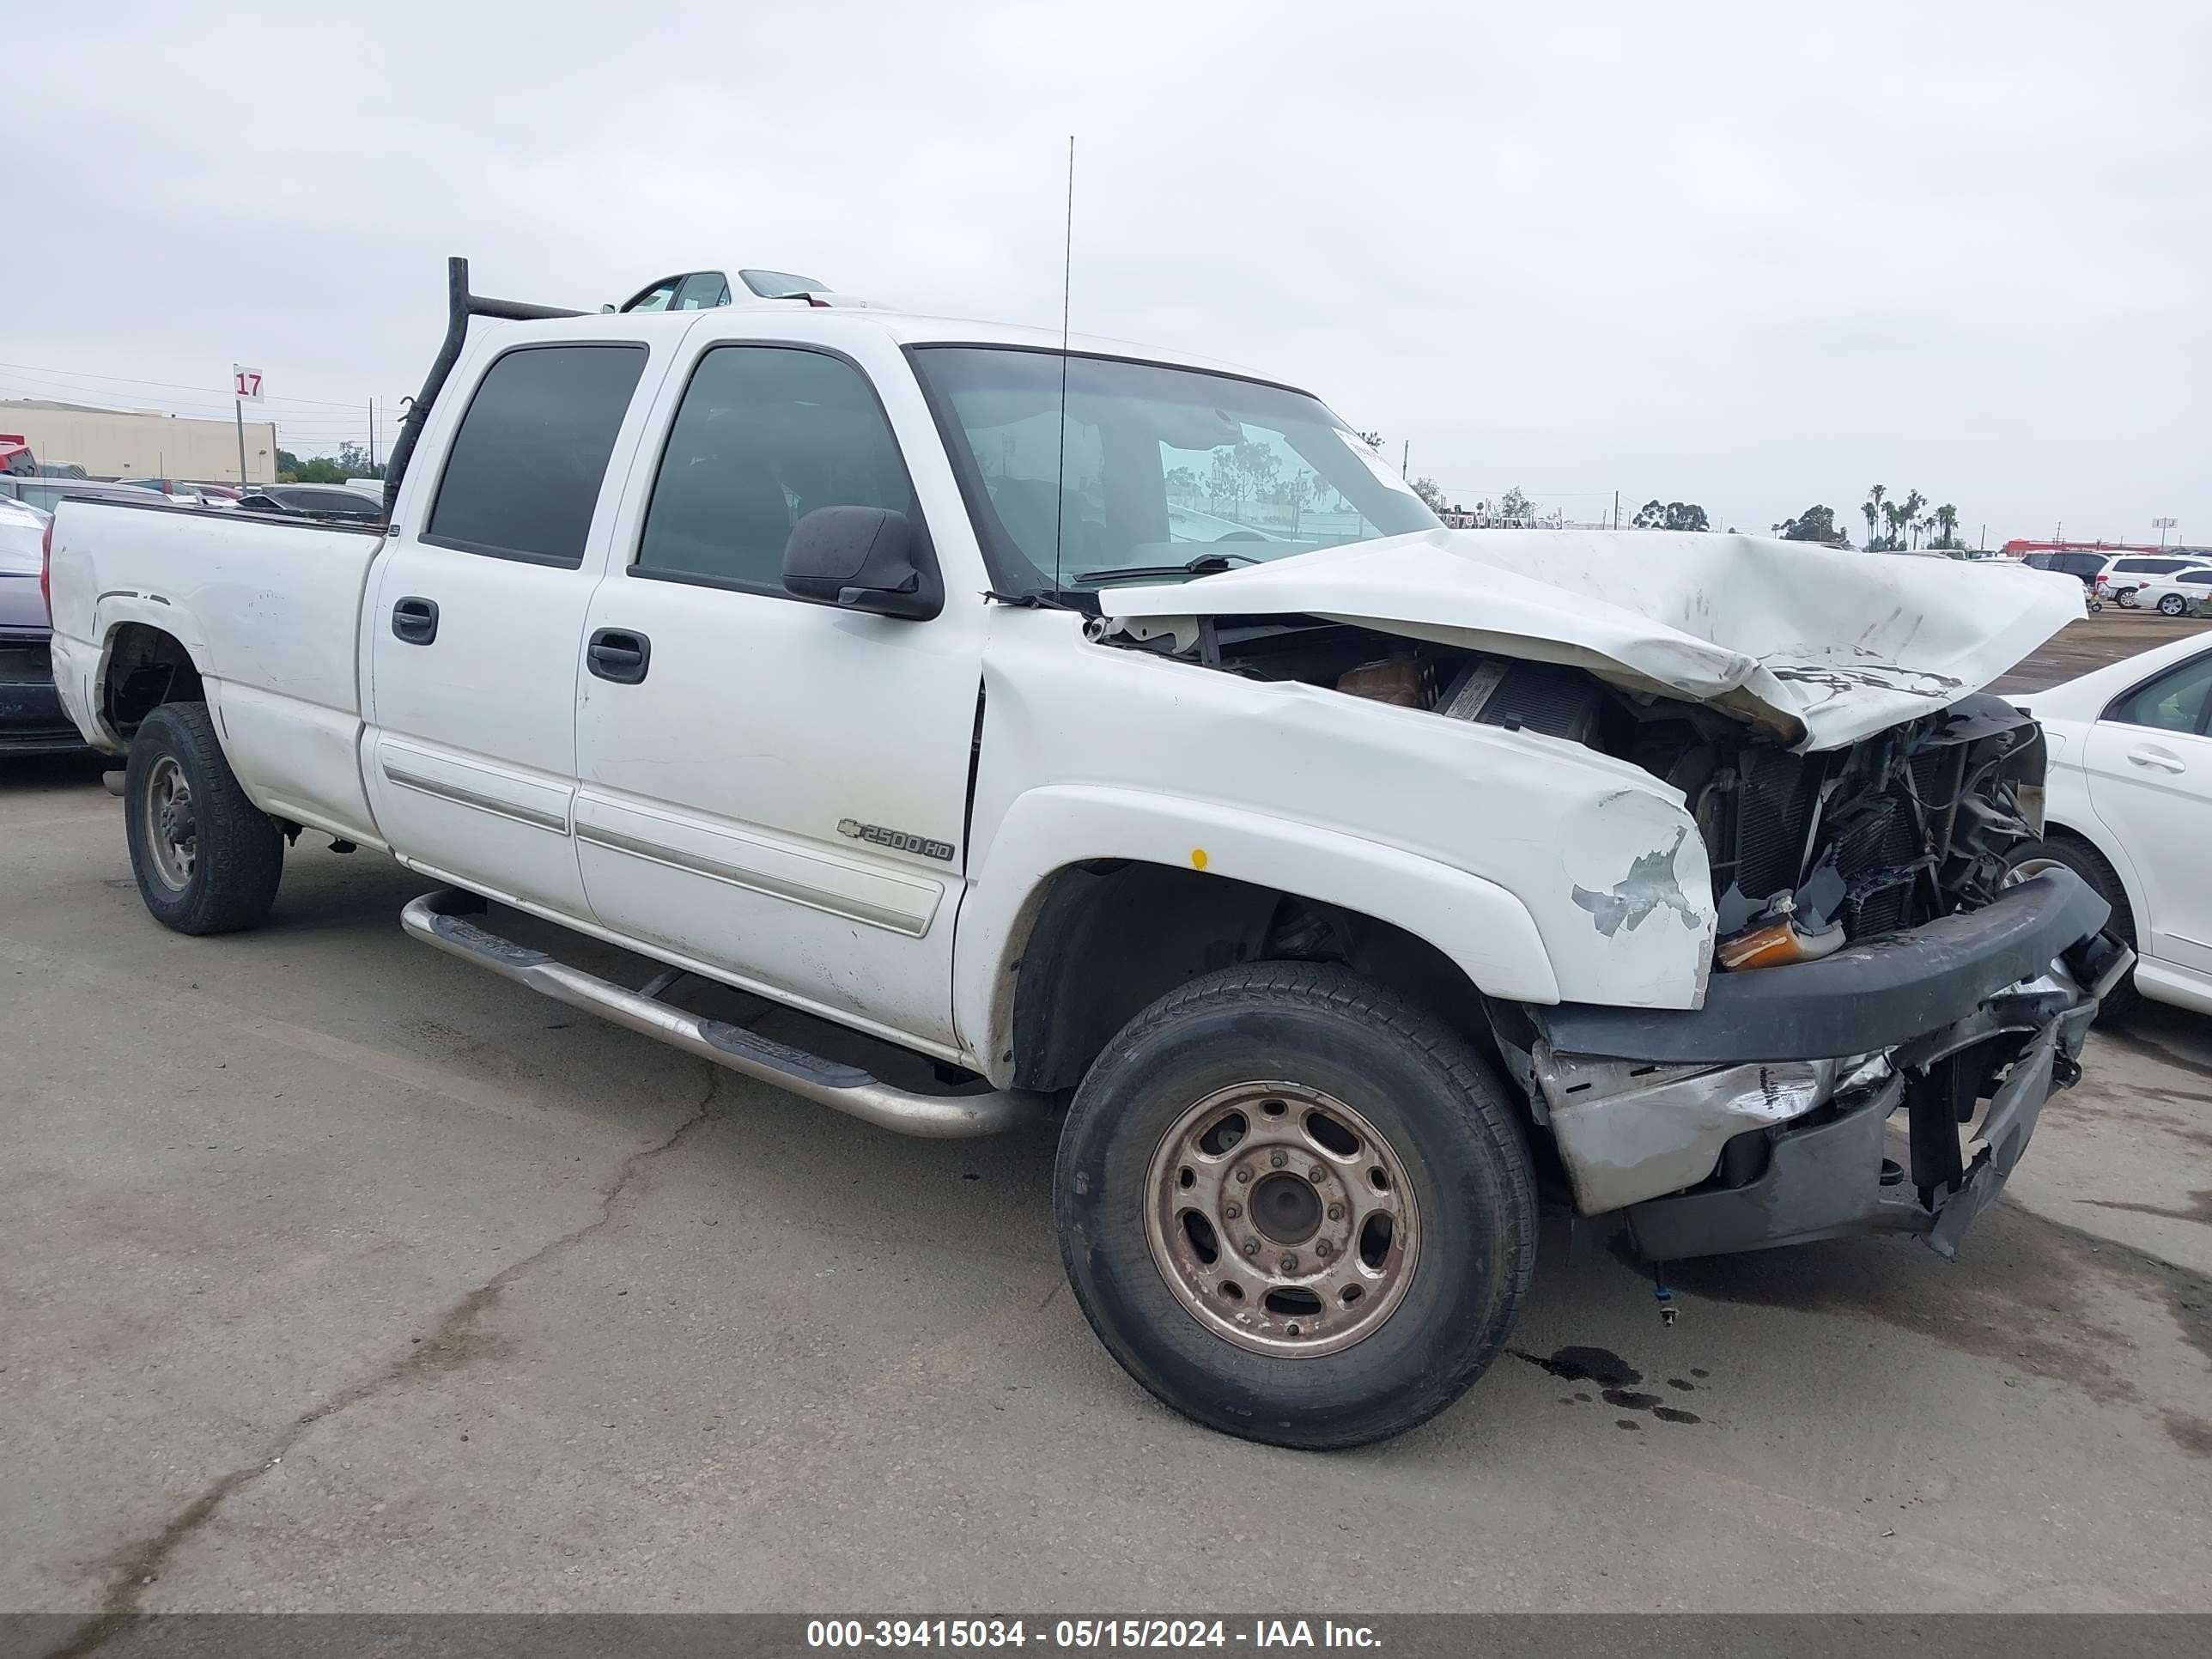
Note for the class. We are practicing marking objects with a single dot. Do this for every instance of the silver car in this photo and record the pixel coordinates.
(31, 718)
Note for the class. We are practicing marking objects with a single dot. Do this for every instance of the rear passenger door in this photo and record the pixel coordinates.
(475, 620)
(2149, 763)
(773, 789)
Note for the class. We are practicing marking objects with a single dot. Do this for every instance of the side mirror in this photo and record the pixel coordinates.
(862, 558)
(604, 310)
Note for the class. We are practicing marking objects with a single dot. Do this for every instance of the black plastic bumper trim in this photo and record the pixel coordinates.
(1865, 998)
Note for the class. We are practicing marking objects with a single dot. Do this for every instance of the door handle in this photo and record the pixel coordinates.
(414, 620)
(2157, 757)
(617, 654)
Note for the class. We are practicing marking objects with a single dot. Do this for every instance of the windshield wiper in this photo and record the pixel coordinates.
(1205, 564)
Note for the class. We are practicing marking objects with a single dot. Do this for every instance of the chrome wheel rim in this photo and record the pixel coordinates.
(172, 830)
(1281, 1219)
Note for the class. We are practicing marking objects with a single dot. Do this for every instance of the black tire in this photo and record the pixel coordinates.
(2172, 604)
(238, 852)
(2124, 598)
(1447, 1120)
(2086, 861)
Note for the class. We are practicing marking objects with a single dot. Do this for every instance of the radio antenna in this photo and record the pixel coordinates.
(1066, 278)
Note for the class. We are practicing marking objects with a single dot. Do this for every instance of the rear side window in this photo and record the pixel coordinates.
(2177, 701)
(525, 469)
(703, 290)
(765, 436)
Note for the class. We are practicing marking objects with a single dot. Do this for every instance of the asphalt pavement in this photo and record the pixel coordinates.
(336, 1274)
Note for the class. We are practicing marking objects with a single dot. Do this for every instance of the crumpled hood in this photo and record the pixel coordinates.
(1818, 645)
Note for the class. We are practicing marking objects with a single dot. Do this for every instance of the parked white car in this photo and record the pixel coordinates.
(2172, 596)
(2127, 807)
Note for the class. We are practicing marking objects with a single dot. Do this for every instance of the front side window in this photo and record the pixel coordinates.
(2175, 702)
(655, 298)
(1143, 470)
(523, 476)
(765, 434)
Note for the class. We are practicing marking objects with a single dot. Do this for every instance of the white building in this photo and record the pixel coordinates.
(114, 443)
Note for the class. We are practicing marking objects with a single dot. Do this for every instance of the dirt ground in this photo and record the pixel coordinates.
(2093, 642)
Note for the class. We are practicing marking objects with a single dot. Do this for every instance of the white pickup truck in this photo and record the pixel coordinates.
(1118, 732)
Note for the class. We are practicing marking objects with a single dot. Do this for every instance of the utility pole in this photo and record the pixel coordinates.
(372, 435)
(2162, 526)
(1405, 456)
(1616, 509)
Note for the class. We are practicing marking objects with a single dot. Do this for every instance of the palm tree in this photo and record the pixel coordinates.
(1908, 513)
(1946, 521)
(1873, 511)
(1893, 516)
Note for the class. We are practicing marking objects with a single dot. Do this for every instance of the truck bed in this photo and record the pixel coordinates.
(269, 608)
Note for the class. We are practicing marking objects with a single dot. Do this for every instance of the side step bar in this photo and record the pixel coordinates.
(442, 918)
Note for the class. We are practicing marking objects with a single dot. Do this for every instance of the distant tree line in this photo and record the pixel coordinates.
(351, 462)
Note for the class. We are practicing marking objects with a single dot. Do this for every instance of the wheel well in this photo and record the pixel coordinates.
(2122, 901)
(146, 668)
(1113, 936)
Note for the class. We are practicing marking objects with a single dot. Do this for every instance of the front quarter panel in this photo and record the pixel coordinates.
(1547, 871)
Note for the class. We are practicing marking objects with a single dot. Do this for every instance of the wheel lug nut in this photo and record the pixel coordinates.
(1321, 1247)
(1233, 1211)
(1336, 1212)
(1289, 1264)
(1244, 1175)
(1314, 1175)
(1251, 1246)
(1276, 1160)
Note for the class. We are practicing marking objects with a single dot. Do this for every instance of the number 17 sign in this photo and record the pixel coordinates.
(246, 383)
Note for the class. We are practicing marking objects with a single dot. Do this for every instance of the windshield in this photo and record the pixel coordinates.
(1167, 472)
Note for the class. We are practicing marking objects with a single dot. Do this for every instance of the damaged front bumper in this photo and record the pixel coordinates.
(1760, 1119)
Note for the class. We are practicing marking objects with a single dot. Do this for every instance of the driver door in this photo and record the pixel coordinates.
(776, 789)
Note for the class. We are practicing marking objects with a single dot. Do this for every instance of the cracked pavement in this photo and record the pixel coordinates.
(335, 1274)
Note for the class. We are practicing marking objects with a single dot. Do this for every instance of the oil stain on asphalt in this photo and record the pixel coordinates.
(1613, 1376)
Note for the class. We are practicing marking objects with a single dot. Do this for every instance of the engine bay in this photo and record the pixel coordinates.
(1808, 850)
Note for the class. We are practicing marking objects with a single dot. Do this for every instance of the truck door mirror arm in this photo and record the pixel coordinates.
(862, 558)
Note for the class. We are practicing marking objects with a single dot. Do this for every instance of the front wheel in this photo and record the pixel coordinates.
(207, 859)
(1295, 1208)
(2125, 598)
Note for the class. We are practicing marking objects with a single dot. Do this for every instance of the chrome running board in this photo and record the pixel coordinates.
(442, 918)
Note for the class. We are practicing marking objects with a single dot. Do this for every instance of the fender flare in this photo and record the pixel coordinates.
(1481, 926)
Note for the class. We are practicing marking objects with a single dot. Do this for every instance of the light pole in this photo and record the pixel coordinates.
(2162, 526)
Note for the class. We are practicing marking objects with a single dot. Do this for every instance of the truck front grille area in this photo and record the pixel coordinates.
(1871, 836)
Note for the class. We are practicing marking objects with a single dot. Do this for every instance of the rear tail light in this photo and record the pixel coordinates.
(46, 570)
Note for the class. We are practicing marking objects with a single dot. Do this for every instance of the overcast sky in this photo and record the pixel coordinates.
(1740, 255)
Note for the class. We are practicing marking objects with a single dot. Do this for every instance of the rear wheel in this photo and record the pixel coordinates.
(207, 859)
(1295, 1208)
(2172, 604)
(2060, 851)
